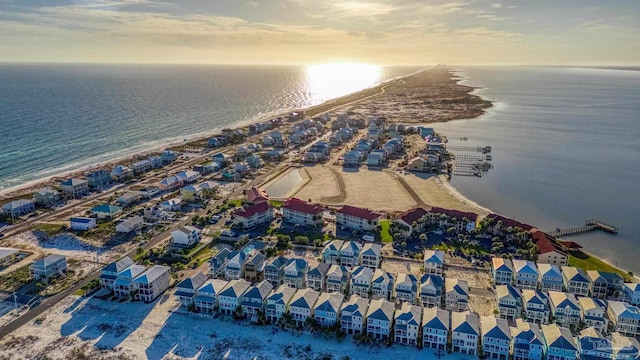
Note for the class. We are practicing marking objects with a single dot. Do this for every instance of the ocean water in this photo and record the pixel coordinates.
(57, 117)
(566, 148)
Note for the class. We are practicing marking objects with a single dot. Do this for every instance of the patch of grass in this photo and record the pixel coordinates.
(104, 231)
(50, 229)
(235, 203)
(583, 260)
(276, 203)
(16, 279)
(385, 235)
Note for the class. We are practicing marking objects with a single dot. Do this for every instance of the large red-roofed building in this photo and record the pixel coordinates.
(549, 250)
(298, 211)
(357, 218)
(256, 195)
(253, 215)
(410, 221)
(453, 218)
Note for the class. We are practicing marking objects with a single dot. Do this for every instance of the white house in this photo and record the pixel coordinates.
(82, 223)
(337, 278)
(509, 302)
(254, 298)
(526, 274)
(559, 342)
(624, 317)
(75, 187)
(350, 253)
(331, 252)
(593, 313)
(174, 204)
(357, 218)
(406, 288)
(435, 328)
(316, 276)
(326, 310)
(186, 236)
(456, 294)
(124, 285)
(48, 267)
(152, 283)
(206, 297)
(253, 215)
(433, 262)
(465, 332)
(234, 267)
(301, 305)
(128, 225)
(382, 285)
(549, 251)
(380, 318)
(294, 273)
(353, 315)
(407, 324)
(109, 273)
(576, 280)
(536, 306)
(361, 281)
(187, 288)
(565, 308)
(274, 270)
(300, 212)
(527, 343)
(631, 293)
(277, 303)
(19, 207)
(231, 296)
(550, 277)
(370, 255)
(496, 338)
(431, 286)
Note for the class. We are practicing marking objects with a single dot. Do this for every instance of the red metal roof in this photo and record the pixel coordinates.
(256, 195)
(455, 213)
(571, 245)
(412, 215)
(545, 243)
(302, 206)
(506, 222)
(359, 212)
(249, 211)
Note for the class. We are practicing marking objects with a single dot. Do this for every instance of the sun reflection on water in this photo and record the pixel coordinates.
(328, 81)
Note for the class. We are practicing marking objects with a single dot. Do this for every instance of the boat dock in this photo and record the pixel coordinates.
(589, 225)
(480, 149)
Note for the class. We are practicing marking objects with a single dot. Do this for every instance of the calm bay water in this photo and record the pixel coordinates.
(566, 148)
(62, 117)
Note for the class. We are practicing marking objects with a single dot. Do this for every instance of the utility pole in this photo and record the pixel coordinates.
(15, 300)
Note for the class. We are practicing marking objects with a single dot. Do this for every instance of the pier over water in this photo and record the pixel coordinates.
(589, 225)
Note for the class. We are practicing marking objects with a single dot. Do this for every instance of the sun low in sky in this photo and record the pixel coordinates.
(388, 32)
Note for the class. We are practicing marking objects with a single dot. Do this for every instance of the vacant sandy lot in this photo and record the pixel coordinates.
(401, 266)
(322, 184)
(433, 193)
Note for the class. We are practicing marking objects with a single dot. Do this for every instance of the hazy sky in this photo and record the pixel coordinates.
(382, 32)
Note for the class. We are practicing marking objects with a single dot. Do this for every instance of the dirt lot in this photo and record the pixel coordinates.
(401, 266)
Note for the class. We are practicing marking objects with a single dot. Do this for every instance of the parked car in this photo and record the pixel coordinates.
(368, 238)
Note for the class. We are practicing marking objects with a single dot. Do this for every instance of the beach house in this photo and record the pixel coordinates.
(564, 308)
(527, 343)
(169, 183)
(46, 197)
(294, 273)
(435, 328)
(406, 288)
(593, 346)
(218, 262)
(331, 252)
(187, 176)
(509, 302)
(434, 262)
(353, 314)
(124, 285)
(631, 293)
(82, 223)
(129, 198)
(576, 280)
(186, 236)
(624, 317)
(121, 173)
(593, 313)
(254, 267)
(205, 300)
(370, 255)
(99, 178)
(407, 324)
(277, 303)
(191, 193)
(496, 338)
(559, 343)
(550, 277)
(253, 300)
(456, 294)
(106, 211)
(316, 276)
(152, 283)
(465, 332)
(109, 273)
(296, 211)
(141, 166)
(380, 318)
(599, 284)
(174, 204)
(360, 283)
(253, 215)
(357, 218)
(382, 285)
(231, 296)
(536, 306)
(48, 267)
(130, 224)
(301, 305)
(350, 253)
(187, 288)
(431, 286)
(526, 274)
(8, 255)
(235, 265)
(274, 270)
(501, 271)
(337, 278)
(18, 207)
(326, 310)
(75, 187)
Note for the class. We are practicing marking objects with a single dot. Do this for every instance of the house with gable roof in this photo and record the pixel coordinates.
(624, 317)
(411, 221)
(593, 346)
(218, 262)
(316, 276)
(550, 277)
(295, 272)
(48, 267)
(407, 323)
(277, 303)
(631, 293)
(186, 289)
(274, 270)
(353, 314)
(431, 286)
(206, 297)
(110, 272)
(434, 262)
(326, 310)
(235, 265)
(576, 280)
(357, 218)
(152, 283)
(253, 215)
(549, 251)
(371, 255)
(296, 211)
(509, 302)
(124, 285)
(186, 236)
(406, 288)
(564, 308)
(254, 267)
(593, 313)
(599, 284)
(456, 294)
(496, 338)
(527, 343)
(435, 328)
(465, 332)
(559, 343)
(232, 295)
(380, 318)
(331, 252)
(360, 283)
(254, 298)
(525, 274)
(337, 278)
(350, 253)
(75, 187)
(301, 305)
(501, 271)
(536, 306)
(382, 285)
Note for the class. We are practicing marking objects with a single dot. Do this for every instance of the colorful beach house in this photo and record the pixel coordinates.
(231, 296)
(380, 318)
(294, 273)
(564, 308)
(576, 280)
(206, 297)
(509, 302)
(527, 343)
(559, 343)
(350, 253)
(326, 310)
(406, 288)
(253, 300)
(301, 305)
(407, 324)
(109, 273)
(550, 277)
(624, 317)
(274, 270)
(465, 332)
(371, 255)
(187, 288)
(316, 276)
(501, 271)
(536, 306)
(496, 338)
(434, 262)
(360, 282)
(431, 290)
(353, 314)
(526, 274)
(331, 252)
(277, 303)
(106, 211)
(48, 267)
(382, 285)
(435, 328)
(456, 294)
(337, 278)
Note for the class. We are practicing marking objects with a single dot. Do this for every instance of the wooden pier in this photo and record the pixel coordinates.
(480, 149)
(589, 225)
